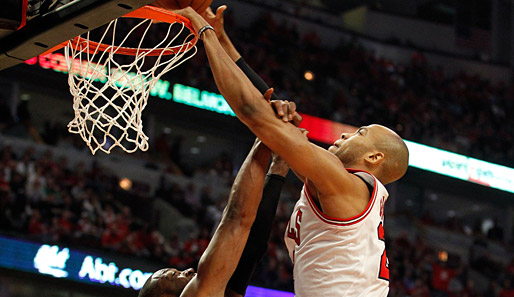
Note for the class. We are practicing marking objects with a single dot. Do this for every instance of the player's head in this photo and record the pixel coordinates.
(376, 149)
(168, 282)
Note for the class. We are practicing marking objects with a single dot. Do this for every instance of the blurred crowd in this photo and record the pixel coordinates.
(51, 201)
(418, 270)
(48, 200)
(45, 199)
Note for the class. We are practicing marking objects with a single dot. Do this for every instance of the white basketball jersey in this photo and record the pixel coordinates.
(339, 257)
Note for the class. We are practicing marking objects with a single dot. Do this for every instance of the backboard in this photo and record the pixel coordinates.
(46, 31)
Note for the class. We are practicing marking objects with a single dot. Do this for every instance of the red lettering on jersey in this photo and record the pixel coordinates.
(382, 202)
(384, 267)
(293, 230)
(384, 262)
(381, 233)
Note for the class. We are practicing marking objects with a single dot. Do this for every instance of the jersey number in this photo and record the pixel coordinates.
(384, 262)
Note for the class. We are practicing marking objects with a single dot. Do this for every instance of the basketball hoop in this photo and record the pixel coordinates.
(112, 78)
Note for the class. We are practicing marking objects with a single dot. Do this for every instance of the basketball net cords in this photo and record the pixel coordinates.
(119, 78)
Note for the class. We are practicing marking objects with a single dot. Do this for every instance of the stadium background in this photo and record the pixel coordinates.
(439, 72)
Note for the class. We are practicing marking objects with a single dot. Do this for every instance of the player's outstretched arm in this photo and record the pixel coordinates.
(217, 22)
(318, 165)
(257, 243)
(221, 257)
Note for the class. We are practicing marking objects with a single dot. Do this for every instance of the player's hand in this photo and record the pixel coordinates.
(196, 20)
(278, 165)
(286, 110)
(215, 20)
(161, 4)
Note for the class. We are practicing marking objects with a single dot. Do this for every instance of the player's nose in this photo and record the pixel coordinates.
(189, 272)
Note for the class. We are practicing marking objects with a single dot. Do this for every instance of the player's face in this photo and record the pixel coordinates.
(173, 280)
(352, 146)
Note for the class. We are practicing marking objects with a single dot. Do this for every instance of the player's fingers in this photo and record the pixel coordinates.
(297, 119)
(188, 12)
(278, 106)
(220, 11)
(291, 109)
(292, 106)
(208, 12)
(268, 93)
(287, 111)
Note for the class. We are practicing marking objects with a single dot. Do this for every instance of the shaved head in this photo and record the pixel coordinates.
(396, 154)
(153, 288)
(376, 149)
(168, 282)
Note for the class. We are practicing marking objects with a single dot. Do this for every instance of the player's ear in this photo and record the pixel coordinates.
(374, 158)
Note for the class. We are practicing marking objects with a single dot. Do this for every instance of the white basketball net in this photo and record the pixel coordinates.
(108, 96)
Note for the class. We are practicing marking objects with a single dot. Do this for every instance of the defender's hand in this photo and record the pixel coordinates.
(278, 166)
(286, 110)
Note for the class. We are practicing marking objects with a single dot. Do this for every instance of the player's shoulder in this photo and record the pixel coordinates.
(347, 201)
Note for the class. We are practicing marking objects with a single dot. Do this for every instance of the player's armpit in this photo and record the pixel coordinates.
(343, 205)
(299, 176)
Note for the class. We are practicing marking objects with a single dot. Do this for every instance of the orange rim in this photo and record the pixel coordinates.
(145, 12)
